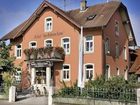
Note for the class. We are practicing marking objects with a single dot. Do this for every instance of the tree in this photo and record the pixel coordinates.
(6, 62)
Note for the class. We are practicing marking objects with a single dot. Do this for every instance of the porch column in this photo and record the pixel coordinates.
(32, 76)
(48, 76)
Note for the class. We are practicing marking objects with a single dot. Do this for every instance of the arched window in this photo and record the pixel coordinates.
(89, 71)
(107, 46)
(66, 72)
(33, 44)
(107, 72)
(48, 43)
(117, 50)
(48, 24)
(65, 42)
(18, 51)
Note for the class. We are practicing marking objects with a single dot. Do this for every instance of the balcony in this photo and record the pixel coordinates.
(50, 53)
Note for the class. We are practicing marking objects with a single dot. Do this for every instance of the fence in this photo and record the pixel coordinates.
(124, 95)
(1, 89)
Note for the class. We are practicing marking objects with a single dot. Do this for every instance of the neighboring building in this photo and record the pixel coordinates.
(135, 62)
(106, 31)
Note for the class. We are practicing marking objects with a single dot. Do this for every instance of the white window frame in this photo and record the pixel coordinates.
(17, 76)
(86, 52)
(18, 49)
(48, 40)
(62, 44)
(45, 23)
(117, 32)
(107, 47)
(66, 79)
(32, 42)
(89, 70)
(125, 53)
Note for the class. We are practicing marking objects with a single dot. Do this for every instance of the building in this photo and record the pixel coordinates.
(104, 30)
(135, 62)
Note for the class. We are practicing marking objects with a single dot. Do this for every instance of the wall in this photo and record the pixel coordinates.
(77, 101)
(122, 40)
(65, 29)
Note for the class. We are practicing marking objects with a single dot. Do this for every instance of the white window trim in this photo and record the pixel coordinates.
(88, 52)
(47, 40)
(32, 42)
(85, 71)
(117, 33)
(69, 73)
(67, 53)
(45, 28)
(16, 52)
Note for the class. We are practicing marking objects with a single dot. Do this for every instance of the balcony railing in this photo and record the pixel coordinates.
(44, 53)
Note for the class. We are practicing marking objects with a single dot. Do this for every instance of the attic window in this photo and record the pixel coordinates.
(91, 17)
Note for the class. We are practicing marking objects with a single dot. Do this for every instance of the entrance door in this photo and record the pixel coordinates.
(40, 75)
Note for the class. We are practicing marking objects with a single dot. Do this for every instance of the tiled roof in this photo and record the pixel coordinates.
(102, 12)
(135, 68)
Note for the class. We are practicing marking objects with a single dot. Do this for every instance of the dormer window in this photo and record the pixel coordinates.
(91, 17)
(48, 24)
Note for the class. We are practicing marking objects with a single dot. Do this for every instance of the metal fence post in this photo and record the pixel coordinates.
(138, 96)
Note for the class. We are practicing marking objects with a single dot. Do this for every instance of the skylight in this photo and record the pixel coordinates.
(91, 17)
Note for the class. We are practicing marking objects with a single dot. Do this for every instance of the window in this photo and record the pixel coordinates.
(48, 43)
(107, 47)
(18, 75)
(116, 28)
(107, 72)
(88, 44)
(125, 53)
(89, 71)
(18, 51)
(48, 24)
(117, 50)
(66, 72)
(66, 45)
(33, 44)
(118, 71)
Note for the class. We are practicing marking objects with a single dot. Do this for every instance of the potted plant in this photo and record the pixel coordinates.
(35, 53)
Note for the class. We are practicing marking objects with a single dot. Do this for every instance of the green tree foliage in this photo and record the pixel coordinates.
(6, 62)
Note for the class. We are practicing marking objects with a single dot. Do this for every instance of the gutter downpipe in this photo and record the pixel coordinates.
(81, 73)
(104, 55)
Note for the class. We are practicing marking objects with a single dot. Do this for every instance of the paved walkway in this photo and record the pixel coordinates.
(27, 101)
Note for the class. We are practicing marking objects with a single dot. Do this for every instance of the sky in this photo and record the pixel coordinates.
(14, 12)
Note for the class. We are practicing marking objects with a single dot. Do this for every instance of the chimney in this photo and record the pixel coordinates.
(83, 5)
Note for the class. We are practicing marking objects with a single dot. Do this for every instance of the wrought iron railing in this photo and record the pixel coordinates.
(126, 95)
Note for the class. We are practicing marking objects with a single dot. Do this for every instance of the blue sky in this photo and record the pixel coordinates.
(14, 12)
